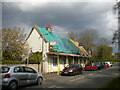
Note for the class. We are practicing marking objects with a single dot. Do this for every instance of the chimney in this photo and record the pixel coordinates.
(49, 28)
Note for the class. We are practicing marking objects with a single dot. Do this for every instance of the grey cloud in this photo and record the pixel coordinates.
(72, 16)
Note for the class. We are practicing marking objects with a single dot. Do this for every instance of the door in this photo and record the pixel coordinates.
(32, 75)
(20, 75)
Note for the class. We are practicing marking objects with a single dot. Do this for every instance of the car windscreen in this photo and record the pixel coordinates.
(5, 69)
(88, 65)
(72, 66)
(96, 63)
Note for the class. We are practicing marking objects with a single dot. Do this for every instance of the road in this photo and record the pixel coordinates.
(89, 79)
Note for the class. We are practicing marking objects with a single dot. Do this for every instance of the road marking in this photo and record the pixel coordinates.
(116, 74)
(90, 74)
(52, 86)
(77, 79)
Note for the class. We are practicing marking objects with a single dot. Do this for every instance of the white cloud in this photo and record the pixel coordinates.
(29, 6)
(111, 20)
(58, 0)
(110, 23)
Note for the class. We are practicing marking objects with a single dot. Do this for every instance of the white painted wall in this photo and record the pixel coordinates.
(35, 41)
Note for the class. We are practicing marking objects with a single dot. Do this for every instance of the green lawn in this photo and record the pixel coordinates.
(115, 83)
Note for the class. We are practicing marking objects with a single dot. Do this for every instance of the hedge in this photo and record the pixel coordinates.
(11, 62)
(33, 59)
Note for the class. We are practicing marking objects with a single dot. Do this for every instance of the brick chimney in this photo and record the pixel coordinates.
(49, 28)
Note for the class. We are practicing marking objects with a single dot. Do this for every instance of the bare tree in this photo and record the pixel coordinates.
(103, 41)
(72, 35)
(0, 44)
(88, 37)
(13, 43)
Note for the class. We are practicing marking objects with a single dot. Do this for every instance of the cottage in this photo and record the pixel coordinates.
(57, 51)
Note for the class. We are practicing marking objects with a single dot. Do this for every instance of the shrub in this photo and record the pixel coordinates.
(35, 58)
(114, 83)
(11, 62)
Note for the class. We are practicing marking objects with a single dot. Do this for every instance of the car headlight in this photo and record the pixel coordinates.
(71, 71)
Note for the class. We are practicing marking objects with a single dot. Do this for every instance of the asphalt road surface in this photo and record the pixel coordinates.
(89, 79)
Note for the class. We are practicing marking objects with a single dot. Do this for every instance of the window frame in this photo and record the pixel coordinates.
(25, 71)
(8, 69)
(55, 63)
(18, 71)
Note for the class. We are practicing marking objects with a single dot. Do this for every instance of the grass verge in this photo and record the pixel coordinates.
(115, 83)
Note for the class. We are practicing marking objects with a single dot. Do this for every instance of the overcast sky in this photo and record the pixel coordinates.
(64, 17)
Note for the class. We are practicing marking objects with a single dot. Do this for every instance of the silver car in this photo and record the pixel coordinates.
(14, 76)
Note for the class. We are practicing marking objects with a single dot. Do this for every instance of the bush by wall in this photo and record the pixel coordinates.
(11, 62)
(35, 58)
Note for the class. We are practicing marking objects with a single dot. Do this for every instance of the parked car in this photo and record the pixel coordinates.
(109, 63)
(14, 76)
(106, 64)
(72, 69)
(103, 64)
(91, 66)
(99, 65)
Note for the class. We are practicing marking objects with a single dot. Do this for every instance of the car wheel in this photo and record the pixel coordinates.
(39, 81)
(62, 74)
(79, 72)
(95, 69)
(13, 85)
(73, 73)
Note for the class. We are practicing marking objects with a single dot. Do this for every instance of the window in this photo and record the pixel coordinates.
(79, 66)
(17, 69)
(76, 62)
(29, 70)
(5, 69)
(70, 61)
(89, 65)
(64, 61)
(80, 61)
(55, 62)
(72, 66)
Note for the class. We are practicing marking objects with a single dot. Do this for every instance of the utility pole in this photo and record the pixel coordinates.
(116, 35)
(118, 4)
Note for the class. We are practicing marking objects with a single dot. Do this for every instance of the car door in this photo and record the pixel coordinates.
(20, 75)
(32, 74)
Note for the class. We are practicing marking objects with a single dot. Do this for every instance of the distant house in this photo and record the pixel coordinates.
(57, 51)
